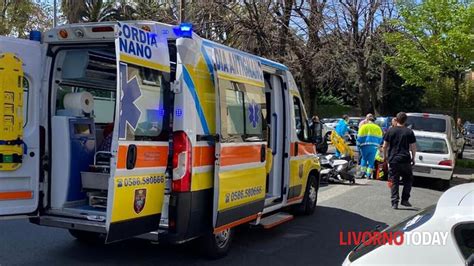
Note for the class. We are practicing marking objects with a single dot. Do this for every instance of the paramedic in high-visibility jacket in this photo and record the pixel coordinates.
(369, 138)
(341, 129)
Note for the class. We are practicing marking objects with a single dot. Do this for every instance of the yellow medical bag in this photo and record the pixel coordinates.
(341, 145)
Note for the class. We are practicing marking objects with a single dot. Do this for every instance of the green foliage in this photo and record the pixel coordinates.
(401, 97)
(465, 163)
(324, 111)
(18, 17)
(330, 100)
(434, 40)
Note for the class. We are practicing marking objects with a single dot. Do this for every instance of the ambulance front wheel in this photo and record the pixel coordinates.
(217, 245)
(308, 206)
(87, 237)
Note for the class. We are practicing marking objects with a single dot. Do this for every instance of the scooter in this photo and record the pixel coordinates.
(337, 170)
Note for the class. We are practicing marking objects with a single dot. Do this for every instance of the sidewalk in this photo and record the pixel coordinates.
(464, 173)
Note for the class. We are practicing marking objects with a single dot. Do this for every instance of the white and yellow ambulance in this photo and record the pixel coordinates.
(123, 129)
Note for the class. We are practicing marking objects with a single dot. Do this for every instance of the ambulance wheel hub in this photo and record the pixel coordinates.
(222, 238)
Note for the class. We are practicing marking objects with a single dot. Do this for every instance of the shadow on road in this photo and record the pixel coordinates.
(435, 184)
(307, 240)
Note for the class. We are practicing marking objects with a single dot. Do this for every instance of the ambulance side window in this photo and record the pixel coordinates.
(300, 121)
(243, 112)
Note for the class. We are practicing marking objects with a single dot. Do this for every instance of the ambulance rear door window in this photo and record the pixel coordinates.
(151, 106)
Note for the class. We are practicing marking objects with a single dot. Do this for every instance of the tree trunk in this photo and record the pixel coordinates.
(380, 106)
(457, 81)
(364, 92)
(309, 92)
(364, 101)
(285, 21)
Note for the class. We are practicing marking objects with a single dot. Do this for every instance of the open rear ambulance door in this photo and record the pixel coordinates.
(21, 65)
(140, 145)
(240, 170)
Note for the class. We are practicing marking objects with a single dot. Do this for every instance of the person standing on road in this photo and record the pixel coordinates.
(366, 120)
(394, 122)
(316, 130)
(399, 142)
(369, 139)
(342, 128)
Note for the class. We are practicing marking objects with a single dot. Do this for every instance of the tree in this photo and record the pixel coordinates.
(14, 16)
(93, 10)
(434, 42)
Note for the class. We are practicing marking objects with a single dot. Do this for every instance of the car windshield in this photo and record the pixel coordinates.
(354, 121)
(429, 124)
(431, 145)
(406, 225)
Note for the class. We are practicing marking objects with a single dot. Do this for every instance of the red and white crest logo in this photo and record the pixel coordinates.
(140, 199)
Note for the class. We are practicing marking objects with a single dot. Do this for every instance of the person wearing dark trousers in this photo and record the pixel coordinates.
(400, 148)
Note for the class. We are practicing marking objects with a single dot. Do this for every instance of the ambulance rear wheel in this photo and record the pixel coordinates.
(87, 237)
(308, 206)
(217, 245)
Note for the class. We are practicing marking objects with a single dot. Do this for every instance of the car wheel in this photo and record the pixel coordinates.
(308, 206)
(88, 237)
(217, 245)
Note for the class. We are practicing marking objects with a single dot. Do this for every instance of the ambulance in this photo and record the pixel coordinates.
(141, 129)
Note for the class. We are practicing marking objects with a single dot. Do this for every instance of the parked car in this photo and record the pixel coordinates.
(354, 121)
(452, 217)
(384, 122)
(434, 157)
(330, 123)
(469, 128)
(438, 123)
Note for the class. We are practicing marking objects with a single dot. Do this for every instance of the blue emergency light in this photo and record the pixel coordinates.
(179, 112)
(184, 30)
(35, 35)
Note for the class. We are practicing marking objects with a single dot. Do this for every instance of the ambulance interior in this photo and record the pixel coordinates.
(83, 100)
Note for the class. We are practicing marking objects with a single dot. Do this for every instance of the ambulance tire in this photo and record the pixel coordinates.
(308, 206)
(216, 246)
(88, 237)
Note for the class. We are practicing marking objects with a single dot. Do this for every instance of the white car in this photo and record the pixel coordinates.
(435, 157)
(441, 124)
(452, 219)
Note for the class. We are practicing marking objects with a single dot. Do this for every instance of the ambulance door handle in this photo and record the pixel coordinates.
(131, 156)
(263, 151)
(275, 136)
(296, 149)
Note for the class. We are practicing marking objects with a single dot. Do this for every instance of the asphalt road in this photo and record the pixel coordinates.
(306, 240)
(468, 153)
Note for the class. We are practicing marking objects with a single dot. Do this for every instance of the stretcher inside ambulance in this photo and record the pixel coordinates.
(145, 129)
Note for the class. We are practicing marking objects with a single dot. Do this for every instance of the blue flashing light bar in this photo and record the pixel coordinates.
(184, 30)
(35, 35)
